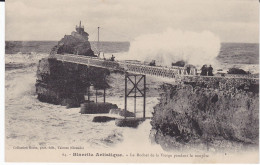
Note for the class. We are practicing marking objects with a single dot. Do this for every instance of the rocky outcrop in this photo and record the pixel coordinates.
(129, 122)
(236, 71)
(122, 112)
(66, 83)
(94, 108)
(202, 112)
(76, 43)
(102, 119)
(248, 84)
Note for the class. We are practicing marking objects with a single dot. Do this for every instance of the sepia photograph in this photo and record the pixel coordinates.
(110, 81)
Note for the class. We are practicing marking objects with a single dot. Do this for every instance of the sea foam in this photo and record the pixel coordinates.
(172, 45)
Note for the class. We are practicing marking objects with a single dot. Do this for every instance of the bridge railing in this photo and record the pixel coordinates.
(126, 66)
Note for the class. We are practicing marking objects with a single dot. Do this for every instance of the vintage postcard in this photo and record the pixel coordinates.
(112, 81)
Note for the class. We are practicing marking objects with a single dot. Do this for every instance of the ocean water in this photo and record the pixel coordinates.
(29, 122)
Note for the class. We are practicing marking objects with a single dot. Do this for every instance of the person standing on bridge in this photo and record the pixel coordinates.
(152, 63)
(113, 58)
(210, 70)
(204, 70)
(188, 69)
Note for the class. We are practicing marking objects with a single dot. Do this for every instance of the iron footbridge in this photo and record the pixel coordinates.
(125, 66)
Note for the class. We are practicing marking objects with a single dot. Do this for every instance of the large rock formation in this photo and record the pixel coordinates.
(203, 112)
(66, 83)
(76, 43)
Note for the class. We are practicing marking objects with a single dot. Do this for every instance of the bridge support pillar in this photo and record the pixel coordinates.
(138, 90)
(96, 95)
(104, 95)
(88, 92)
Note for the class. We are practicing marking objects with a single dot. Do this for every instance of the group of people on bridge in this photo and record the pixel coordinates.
(112, 58)
(206, 71)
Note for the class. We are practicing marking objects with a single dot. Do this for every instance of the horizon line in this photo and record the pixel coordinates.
(111, 41)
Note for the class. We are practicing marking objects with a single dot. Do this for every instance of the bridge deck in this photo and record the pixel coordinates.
(125, 66)
(135, 68)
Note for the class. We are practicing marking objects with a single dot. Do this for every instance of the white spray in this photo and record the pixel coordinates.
(174, 45)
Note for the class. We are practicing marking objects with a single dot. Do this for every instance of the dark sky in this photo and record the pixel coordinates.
(230, 20)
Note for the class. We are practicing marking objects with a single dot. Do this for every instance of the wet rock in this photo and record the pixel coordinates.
(70, 103)
(122, 112)
(101, 119)
(94, 108)
(129, 122)
(237, 71)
